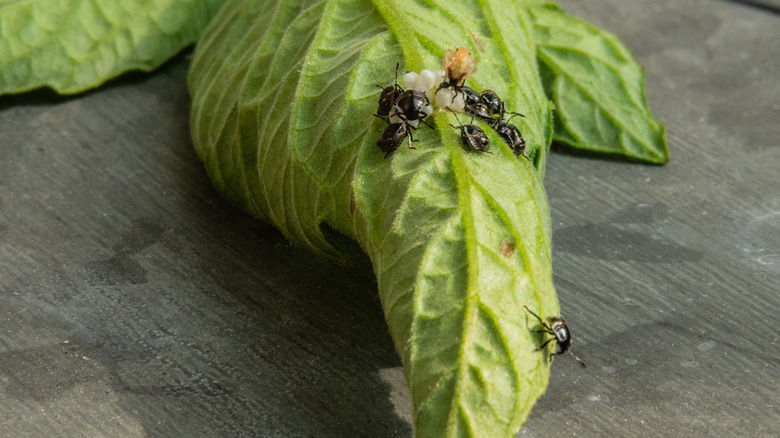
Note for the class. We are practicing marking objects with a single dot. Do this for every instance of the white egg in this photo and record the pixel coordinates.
(441, 75)
(427, 80)
(457, 103)
(447, 98)
(443, 97)
(410, 80)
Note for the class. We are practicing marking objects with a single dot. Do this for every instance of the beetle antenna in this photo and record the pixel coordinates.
(382, 118)
(458, 119)
(535, 315)
(579, 361)
(513, 114)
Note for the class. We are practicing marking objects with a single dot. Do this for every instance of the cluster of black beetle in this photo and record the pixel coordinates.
(404, 109)
(489, 108)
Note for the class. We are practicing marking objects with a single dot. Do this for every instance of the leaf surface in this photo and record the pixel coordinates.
(283, 97)
(597, 88)
(74, 45)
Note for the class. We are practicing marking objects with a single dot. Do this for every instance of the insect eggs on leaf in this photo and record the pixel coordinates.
(410, 80)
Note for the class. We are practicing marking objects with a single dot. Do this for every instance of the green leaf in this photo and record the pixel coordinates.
(74, 45)
(597, 88)
(283, 95)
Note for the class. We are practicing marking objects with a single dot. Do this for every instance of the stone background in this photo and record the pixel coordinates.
(134, 301)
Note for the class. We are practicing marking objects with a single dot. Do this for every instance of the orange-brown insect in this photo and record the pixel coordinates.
(458, 65)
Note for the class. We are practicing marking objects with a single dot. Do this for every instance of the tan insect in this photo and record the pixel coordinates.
(458, 66)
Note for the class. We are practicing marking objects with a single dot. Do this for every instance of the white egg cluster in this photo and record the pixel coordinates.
(423, 81)
(449, 98)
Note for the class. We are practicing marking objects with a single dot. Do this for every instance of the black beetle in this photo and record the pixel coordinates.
(512, 136)
(389, 96)
(411, 107)
(557, 327)
(472, 137)
(393, 136)
(495, 105)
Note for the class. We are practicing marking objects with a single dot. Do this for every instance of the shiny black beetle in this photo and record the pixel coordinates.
(389, 96)
(512, 136)
(480, 110)
(472, 136)
(470, 97)
(557, 327)
(393, 136)
(411, 107)
(488, 107)
(494, 105)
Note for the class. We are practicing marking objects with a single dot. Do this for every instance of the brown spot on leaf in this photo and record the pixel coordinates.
(507, 249)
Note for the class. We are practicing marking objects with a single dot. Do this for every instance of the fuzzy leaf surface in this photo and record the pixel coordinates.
(283, 96)
(74, 45)
(597, 88)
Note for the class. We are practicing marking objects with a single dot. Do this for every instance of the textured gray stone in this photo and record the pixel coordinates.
(135, 302)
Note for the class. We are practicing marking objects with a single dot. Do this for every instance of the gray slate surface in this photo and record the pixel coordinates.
(135, 302)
